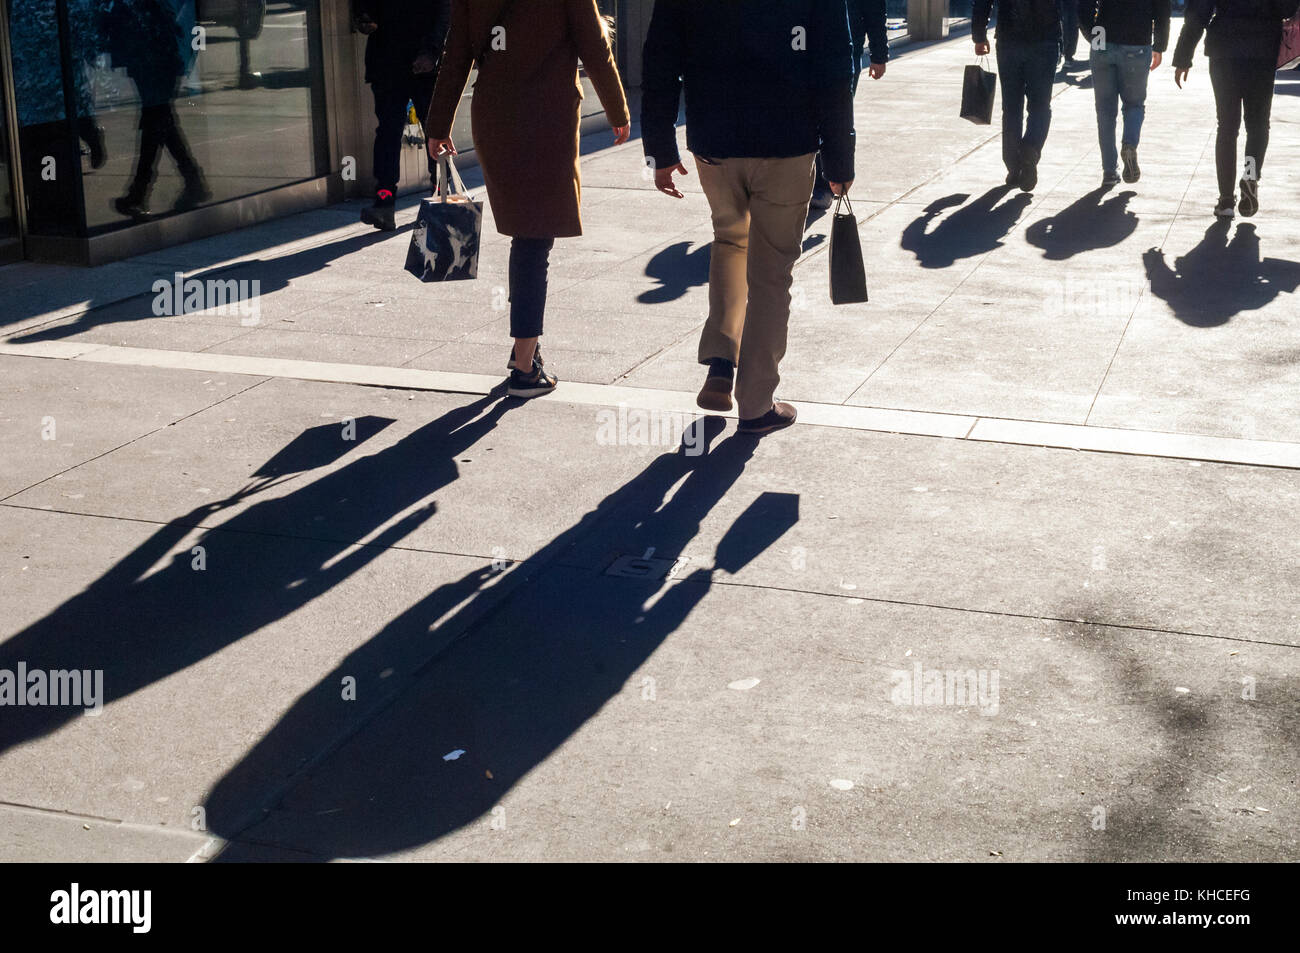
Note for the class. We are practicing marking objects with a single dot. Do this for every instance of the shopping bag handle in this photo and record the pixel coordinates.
(842, 199)
(447, 170)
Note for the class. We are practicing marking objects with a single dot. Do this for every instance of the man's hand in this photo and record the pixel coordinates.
(1156, 58)
(366, 25)
(622, 134)
(841, 188)
(664, 180)
(982, 49)
(876, 70)
(424, 63)
(1179, 76)
(438, 147)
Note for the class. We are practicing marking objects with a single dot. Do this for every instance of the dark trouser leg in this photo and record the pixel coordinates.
(1225, 78)
(1258, 100)
(1012, 77)
(529, 259)
(1040, 71)
(1070, 28)
(153, 131)
(390, 110)
(175, 142)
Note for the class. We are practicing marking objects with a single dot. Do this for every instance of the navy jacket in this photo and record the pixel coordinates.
(762, 80)
(1019, 21)
(1127, 22)
(1234, 29)
(407, 28)
(867, 19)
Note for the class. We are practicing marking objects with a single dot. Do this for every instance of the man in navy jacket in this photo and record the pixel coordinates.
(766, 85)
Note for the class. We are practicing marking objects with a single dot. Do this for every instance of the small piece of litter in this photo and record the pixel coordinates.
(453, 755)
(995, 853)
(743, 684)
(1182, 691)
(841, 784)
(488, 775)
(734, 822)
(1262, 810)
(907, 654)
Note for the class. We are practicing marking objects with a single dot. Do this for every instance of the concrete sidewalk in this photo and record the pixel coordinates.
(347, 603)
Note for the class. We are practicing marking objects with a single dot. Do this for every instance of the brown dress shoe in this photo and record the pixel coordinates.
(715, 394)
(781, 415)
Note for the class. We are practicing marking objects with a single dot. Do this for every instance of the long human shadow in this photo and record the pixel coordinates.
(522, 674)
(151, 616)
(1086, 224)
(678, 268)
(271, 274)
(1219, 279)
(973, 229)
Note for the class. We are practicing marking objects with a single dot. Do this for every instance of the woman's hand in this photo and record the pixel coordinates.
(1156, 58)
(438, 147)
(622, 134)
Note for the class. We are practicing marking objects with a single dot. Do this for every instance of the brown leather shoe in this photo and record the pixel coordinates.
(781, 415)
(715, 394)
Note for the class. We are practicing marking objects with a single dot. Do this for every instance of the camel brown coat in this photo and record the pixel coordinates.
(525, 105)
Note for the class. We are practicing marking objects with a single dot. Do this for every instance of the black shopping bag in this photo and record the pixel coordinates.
(444, 244)
(848, 273)
(978, 88)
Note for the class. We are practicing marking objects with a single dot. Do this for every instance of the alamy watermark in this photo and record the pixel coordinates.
(75, 688)
(957, 687)
(648, 428)
(181, 295)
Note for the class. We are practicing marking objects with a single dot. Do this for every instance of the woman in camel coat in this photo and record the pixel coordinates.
(525, 112)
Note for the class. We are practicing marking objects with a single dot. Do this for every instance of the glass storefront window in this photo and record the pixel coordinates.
(175, 104)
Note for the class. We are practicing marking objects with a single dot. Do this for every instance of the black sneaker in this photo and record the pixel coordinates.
(1029, 174)
(537, 358)
(1110, 178)
(1129, 156)
(822, 198)
(531, 385)
(1249, 197)
(781, 415)
(1013, 177)
(132, 208)
(1224, 208)
(382, 215)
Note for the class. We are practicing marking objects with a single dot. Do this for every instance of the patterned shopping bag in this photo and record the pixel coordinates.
(445, 242)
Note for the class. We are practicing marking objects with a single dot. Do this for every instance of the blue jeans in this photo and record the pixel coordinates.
(1026, 72)
(1119, 73)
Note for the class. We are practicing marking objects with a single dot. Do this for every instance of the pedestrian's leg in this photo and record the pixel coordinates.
(1227, 104)
(1258, 107)
(1011, 76)
(529, 263)
(778, 204)
(152, 135)
(1134, 63)
(729, 199)
(390, 111)
(1040, 72)
(1069, 29)
(1105, 90)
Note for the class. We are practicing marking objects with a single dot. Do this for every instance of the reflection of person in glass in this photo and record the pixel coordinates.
(147, 38)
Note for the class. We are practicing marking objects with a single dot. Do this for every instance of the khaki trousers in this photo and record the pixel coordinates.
(759, 209)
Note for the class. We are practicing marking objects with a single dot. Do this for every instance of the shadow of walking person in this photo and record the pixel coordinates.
(973, 229)
(1219, 279)
(1085, 225)
(521, 674)
(152, 615)
(678, 269)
